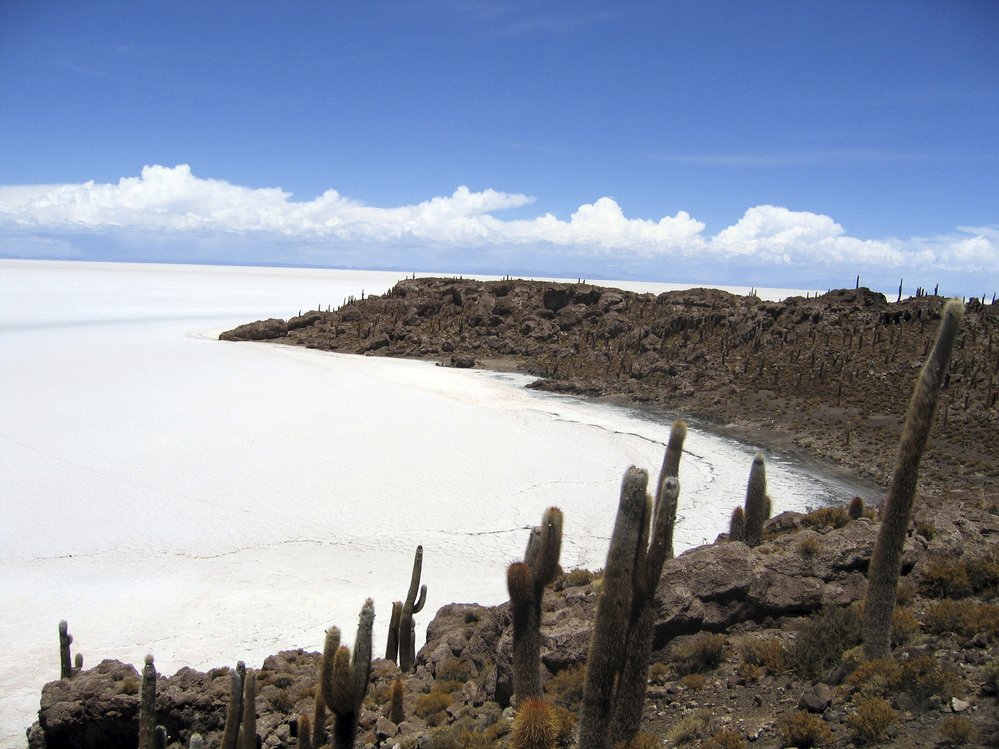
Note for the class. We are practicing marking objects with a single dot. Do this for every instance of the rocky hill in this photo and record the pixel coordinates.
(752, 646)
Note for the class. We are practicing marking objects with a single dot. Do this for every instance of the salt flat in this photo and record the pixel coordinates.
(208, 502)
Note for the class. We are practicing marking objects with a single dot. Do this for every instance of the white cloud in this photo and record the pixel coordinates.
(332, 227)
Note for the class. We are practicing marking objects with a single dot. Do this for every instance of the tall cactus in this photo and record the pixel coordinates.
(248, 729)
(147, 706)
(896, 511)
(526, 583)
(617, 666)
(413, 605)
(757, 502)
(344, 679)
(392, 644)
(65, 659)
(230, 733)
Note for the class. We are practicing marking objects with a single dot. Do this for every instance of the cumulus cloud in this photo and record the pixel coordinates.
(172, 200)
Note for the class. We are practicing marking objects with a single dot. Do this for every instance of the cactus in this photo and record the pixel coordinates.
(160, 736)
(319, 737)
(757, 502)
(197, 741)
(535, 726)
(344, 679)
(233, 713)
(617, 665)
(78, 663)
(737, 525)
(397, 713)
(147, 706)
(248, 730)
(855, 509)
(304, 732)
(407, 632)
(526, 583)
(392, 645)
(65, 659)
(896, 510)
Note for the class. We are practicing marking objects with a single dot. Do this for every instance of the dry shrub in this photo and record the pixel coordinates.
(129, 685)
(879, 677)
(975, 576)
(724, 739)
(691, 727)
(765, 652)
(990, 679)
(699, 653)
(748, 671)
(454, 669)
(922, 679)
(694, 682)
(823, 638)
(870, 722)
(804, 730)
(827, 517)
(966, 618)
(641, 741)
(573, 579)
(926, 530)
(903, 626)
(957, 731)
(809, 546)
(431, 706)
(660, 673)
(566, 687)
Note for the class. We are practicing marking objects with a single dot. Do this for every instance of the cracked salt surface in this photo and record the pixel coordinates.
(211, 502)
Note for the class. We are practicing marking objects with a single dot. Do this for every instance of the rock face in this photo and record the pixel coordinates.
(829, 374)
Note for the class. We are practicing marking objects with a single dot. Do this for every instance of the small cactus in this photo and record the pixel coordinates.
(344, 678)
(855, 509)
(304, 732)
(397, 713)
(526, 583)
(757, 502)
(65, 659)
(535, 726)
(197, 741)
(147, 706)
(737, 525)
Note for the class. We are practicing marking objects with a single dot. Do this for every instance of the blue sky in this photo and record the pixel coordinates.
(771, 143)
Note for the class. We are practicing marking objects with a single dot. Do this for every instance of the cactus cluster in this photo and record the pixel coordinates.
(344, 678)
(747, 521)
(617, 666)
(526, 583)
(402, 631)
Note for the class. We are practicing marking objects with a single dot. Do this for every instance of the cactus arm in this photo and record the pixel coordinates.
(330, 647)
(361, 663)
(421, 601)
(886, 558)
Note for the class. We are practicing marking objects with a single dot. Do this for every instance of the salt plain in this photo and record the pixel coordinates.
(210, 502)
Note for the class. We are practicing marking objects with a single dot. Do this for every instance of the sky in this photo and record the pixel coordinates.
(794, 144)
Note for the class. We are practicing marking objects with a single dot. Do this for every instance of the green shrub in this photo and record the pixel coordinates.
(870, 722)
(803, 730)
(699, 653)
(823, 638)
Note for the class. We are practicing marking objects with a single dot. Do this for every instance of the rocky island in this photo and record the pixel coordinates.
(752, 644)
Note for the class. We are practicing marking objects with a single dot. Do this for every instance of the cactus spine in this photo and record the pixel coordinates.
(231, 731)
(757, 502)
(248, 730)
(344, 679)
(65, 659)
(617, 666)
(413, 605)
(147, 706)
(526, 583)
(896, 511)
